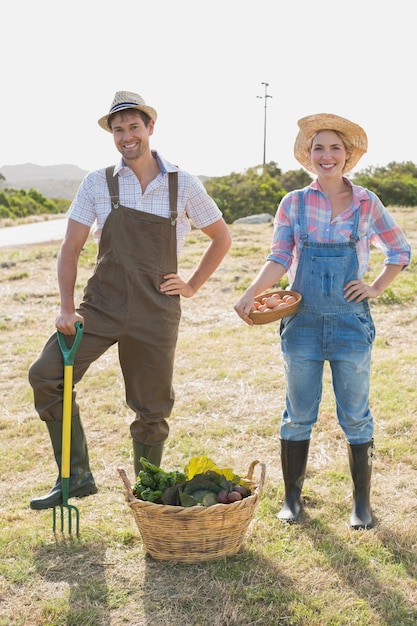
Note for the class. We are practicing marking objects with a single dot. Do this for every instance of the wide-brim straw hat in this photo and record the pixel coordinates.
(312, 124)
(127, 100)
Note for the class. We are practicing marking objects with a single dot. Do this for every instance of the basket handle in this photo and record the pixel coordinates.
(128, 486)
(263, 474)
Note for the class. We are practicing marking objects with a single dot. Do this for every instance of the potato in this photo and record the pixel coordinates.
(234, 496)
(242, 490)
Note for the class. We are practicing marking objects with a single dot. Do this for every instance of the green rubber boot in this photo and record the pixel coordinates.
(152, 453)
(294, 462)
(81, 482)
(360, 462)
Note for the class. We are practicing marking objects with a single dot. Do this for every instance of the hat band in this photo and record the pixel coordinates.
(123, 105)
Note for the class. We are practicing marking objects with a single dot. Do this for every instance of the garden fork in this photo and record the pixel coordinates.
(68, 356)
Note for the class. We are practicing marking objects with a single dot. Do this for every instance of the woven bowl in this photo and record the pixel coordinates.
(196, 533)
(276, 314)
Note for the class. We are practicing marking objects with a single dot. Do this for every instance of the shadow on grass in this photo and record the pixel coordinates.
(251, 590)
(242, 590)
(248, 589)
(356, 564)
(81, 567)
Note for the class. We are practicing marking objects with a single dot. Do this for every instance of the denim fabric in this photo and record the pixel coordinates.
(327, 328)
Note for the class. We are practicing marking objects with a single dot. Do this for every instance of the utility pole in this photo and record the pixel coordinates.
(265, 97)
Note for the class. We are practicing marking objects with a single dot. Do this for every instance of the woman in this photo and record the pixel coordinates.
(322, 238)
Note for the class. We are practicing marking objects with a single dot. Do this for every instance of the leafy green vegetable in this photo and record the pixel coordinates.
(146, 479)
(202, 481)
(152, 482)
(186, 500)
(151, 496)
(171, 496)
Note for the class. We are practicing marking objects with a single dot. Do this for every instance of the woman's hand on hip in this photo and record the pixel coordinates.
(357, 290)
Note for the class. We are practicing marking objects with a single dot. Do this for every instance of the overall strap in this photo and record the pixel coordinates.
(173, 196)
(113, 185)
(354, 237)
(302, 218)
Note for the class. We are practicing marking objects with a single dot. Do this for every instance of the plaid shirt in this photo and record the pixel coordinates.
(91, 205)
(376, 227)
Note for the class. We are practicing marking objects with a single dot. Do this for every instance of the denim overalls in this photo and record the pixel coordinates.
(327, 328)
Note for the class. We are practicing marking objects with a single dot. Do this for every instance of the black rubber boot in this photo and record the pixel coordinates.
(152, 453)
(81, 482)
(294, 462)
(360, 462)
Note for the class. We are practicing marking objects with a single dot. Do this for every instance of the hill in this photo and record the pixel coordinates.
(52, 181)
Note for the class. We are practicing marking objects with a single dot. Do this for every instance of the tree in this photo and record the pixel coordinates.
(295, 179)
(257, 190)
(395, 183)
(260, 188)
(19, 203)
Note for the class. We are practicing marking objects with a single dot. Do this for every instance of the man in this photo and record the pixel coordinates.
(141, 210)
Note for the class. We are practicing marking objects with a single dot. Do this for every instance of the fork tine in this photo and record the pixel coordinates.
(71, 509)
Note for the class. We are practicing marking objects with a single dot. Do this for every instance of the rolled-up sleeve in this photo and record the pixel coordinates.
(282, 246)
(387, 236)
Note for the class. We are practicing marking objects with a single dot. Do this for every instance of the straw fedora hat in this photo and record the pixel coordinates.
(312, 124)
(127, 100)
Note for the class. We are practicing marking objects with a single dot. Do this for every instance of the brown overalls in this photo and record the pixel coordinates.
(122, 304)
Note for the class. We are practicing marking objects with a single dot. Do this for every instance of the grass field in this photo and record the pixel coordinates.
(229, 397)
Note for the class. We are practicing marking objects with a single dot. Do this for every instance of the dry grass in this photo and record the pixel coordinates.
(229, 396)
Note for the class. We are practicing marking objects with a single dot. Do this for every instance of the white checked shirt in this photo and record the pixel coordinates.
(92, 205)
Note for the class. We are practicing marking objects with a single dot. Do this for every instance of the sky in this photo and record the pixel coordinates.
(202, 65)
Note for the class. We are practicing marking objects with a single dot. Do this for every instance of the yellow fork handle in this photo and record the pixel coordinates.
(66, 422)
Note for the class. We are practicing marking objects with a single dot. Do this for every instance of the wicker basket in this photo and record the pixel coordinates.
(276, 314)
(193, 534)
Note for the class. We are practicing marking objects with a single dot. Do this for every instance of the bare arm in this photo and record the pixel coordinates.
(74, 240)
(269, 274)
(218, 247)
(357, 290)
